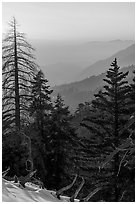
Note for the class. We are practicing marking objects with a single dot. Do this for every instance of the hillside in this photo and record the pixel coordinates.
(125, 57)
(60, 73)
(81, 91)
(64, 62)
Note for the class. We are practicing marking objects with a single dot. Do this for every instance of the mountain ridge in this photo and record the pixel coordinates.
(84, 90)
(64, 62)
(125, 57)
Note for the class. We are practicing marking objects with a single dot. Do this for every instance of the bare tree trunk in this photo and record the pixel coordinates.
(17, 97)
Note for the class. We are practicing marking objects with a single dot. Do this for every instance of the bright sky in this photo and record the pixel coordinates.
(72, 21)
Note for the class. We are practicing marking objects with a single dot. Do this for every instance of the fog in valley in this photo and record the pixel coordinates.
(64, 62)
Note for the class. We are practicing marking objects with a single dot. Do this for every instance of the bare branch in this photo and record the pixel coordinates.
(59, 192)
(5, 172)
(90, 195)
(77, 191)
(10, 71)
(121, 162)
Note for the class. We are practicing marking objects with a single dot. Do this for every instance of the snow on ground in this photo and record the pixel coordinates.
(13, 192)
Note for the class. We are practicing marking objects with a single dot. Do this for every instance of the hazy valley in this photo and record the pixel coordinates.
(83, 90)
(70, 61)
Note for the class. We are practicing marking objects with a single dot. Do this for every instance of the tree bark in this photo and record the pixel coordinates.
(17, 98)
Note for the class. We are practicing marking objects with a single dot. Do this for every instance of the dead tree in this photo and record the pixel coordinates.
(18, 69)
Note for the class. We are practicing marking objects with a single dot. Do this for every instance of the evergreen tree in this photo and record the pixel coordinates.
(41, 101)
(132, 96)
(109, 114)
(60, 144)
(40, 111)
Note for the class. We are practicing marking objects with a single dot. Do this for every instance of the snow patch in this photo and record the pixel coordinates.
(13, 192)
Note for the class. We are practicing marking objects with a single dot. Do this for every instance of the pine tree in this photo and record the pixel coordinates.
(40, 112)
(18, 69)
(110, 112)
(132, 95)
(60, 140)
(41, 101)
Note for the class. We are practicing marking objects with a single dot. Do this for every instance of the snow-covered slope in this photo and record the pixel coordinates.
(13, 192)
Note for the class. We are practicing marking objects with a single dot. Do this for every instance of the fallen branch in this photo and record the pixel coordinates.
(86, 199)
(24, 179)
(78, 190)
(4, 173)
(59, 192)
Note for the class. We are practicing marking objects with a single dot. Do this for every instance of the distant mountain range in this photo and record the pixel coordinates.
(66, 62)
(84, 90)
(125, 57)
